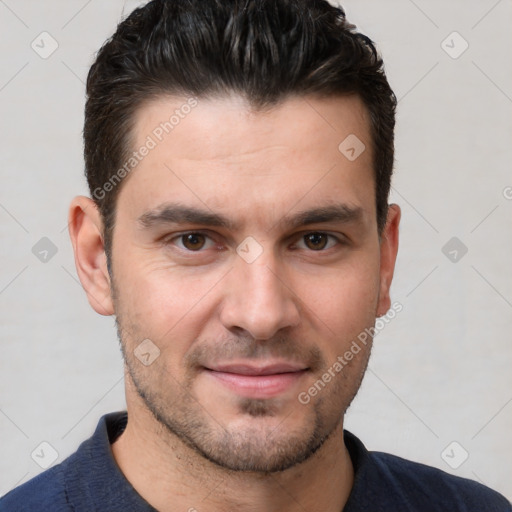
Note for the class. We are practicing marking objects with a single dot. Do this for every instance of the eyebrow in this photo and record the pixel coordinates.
(171, 213)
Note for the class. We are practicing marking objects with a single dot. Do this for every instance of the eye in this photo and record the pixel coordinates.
(193, 241)
(318, 241)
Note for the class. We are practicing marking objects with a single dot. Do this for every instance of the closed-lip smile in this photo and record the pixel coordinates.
(253, 380)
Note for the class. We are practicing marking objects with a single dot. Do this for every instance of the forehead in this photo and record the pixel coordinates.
(229, 126)
(221, 154)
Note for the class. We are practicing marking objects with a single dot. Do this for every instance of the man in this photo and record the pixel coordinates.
(239, 157)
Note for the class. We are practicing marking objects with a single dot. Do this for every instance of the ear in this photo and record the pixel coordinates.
(85, 230)
(388, 253)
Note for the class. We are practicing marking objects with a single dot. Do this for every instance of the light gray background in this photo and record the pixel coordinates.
(440, 371)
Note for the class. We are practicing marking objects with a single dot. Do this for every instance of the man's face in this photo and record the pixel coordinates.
(246, 249)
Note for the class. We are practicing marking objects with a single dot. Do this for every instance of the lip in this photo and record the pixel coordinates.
(258, 381)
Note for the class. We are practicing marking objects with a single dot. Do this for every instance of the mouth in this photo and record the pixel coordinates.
(258, 381)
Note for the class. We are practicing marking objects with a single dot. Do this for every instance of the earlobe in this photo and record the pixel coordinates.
(85, 230)
(388, 254)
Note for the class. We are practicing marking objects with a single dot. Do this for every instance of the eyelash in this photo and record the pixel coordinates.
(169, 241)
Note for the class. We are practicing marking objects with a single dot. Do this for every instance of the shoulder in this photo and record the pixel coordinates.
(46, 491)
(87, 477)
(419, 483)
(387, 482)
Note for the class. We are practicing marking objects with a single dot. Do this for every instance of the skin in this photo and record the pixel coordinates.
(191, 441)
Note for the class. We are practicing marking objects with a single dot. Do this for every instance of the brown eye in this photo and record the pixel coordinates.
(193, 241)
(316, 241)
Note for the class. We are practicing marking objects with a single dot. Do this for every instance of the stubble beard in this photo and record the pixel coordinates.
(255, 449)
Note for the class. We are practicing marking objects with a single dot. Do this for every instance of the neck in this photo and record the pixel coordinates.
(169, 475)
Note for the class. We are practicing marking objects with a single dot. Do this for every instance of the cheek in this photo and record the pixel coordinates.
(161, 302)
(343, 301)
(148, 284)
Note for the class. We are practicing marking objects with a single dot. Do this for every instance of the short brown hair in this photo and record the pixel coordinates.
(264, 50)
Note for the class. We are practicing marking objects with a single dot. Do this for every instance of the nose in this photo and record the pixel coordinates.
(259, 300)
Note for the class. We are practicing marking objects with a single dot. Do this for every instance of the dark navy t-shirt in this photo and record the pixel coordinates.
(90, 481)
